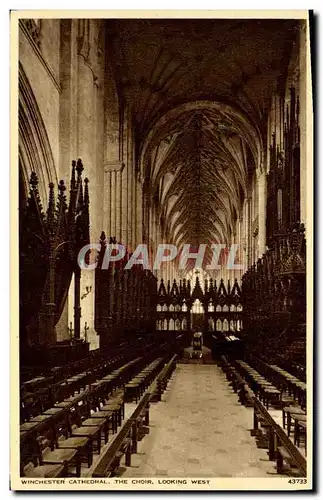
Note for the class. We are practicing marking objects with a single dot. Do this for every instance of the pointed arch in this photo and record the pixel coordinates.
(35, 153)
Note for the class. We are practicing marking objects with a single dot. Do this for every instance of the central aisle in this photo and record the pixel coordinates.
(199, 429)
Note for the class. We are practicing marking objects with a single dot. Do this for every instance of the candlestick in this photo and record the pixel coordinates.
(86, 328)
(70, 329)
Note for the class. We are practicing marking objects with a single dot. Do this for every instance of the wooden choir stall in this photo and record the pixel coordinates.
(49, 245)
(125, 299)
(274, 288)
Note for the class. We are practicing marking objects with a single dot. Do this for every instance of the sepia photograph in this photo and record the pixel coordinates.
(162, 236)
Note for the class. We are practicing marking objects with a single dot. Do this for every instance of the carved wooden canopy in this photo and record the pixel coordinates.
(213, 293)
(48, 248)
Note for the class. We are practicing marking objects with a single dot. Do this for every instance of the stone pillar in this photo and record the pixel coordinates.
(139, 211)
(153, 250)
(118, 204)
(250, 235)
(113, 202)
(67, 128)
(86, 144)
(238, 273)
(107, 203)
(130, 181)
(262, 197)
(126, 182)
(113, 154)
(112, 207)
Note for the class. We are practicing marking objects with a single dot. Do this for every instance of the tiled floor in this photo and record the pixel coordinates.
(199, 430)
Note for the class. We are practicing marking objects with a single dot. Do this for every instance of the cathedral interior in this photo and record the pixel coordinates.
(137, 133)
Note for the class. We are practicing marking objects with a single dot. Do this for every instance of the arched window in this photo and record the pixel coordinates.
(171, 324)
(197, 307)
(218, 325)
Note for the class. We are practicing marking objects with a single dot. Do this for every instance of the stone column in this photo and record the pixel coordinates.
(126, 182)
(139, 211)
(86, 144)
(130, 182)
(153, 250)
(118, 204)
(262, 197)
(107, 203)
(113, 153)
(248, 232)
(113, 170)
(113, 202)
(67, 128)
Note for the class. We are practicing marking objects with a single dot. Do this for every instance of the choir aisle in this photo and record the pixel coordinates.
(199, 430)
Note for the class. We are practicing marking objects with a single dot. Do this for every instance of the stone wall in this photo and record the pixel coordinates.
(63, 60)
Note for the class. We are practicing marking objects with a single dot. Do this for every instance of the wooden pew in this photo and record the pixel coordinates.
(239, 384)
(163, 378)
(281, 448)
(282, 379)
(137, 385)
(125, 443)
(64, 414)
(262, 388)
(35, 403)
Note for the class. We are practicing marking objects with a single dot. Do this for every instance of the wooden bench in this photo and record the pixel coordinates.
(137, 386)
(262, 388)
(125, 443)
(238, 383)
(300, 432)
(85, 408)
(280, 446)
(246, 395)
(283, 456)
(163, 378)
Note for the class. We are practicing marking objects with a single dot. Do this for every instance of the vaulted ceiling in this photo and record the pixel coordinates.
(196, 161)
(199, 92)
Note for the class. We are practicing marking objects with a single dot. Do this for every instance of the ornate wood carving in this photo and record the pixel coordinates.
(274, 296)
(49, 245)
(125, 300)
(283, 179)
(221, 305)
